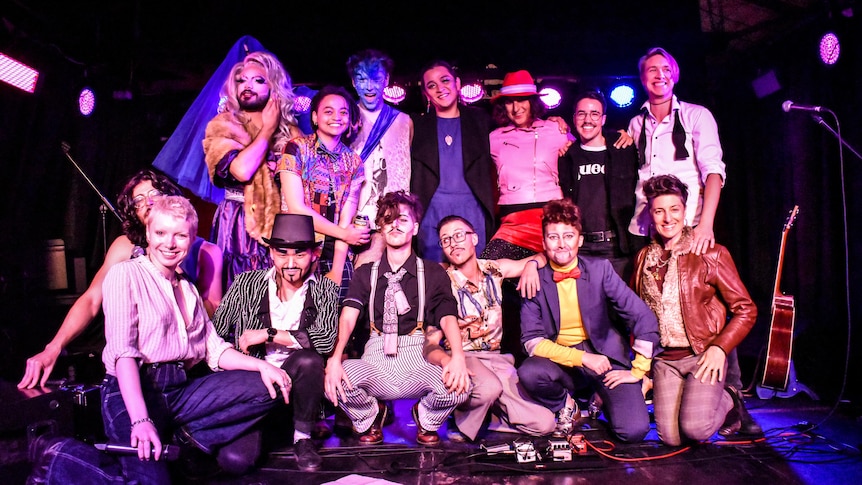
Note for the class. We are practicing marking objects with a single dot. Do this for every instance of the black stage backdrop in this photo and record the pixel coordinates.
(774, 160)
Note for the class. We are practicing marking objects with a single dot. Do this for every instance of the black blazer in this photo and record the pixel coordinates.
(479, 171)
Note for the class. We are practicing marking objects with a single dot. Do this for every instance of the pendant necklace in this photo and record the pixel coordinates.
(656, 274)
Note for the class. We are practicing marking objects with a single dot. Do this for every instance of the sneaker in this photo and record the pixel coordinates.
(566, 418)
(307, 458)
(455, 436)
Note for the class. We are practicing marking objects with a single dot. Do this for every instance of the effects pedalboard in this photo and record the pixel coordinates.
(557, 449)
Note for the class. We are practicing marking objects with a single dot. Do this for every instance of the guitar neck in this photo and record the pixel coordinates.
(777, 289)
(787, 226)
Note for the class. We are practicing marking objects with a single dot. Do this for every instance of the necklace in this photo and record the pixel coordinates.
(656, 270)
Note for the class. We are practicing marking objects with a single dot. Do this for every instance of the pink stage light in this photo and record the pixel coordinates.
(18, 74)
(471, 93)
(830, 48)
(394, 94)
(302, 104)
(86, 101)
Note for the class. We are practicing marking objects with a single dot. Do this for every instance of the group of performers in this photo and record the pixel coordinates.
(384, 256)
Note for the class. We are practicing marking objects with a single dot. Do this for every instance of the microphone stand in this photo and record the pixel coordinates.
(106, 204)
(821, 122)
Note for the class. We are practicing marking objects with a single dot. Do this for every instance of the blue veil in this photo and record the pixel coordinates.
(182, 157)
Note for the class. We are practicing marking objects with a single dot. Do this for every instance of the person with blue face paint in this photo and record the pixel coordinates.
(383, 141)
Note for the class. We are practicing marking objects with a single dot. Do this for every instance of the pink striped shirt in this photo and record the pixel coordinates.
(143, 319)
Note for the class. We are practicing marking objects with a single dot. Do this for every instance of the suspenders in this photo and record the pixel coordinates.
(420, 317)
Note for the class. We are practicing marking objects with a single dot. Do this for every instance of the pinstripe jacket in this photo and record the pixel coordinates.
(246, 307)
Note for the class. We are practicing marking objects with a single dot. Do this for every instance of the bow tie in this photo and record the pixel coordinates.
(561, 275)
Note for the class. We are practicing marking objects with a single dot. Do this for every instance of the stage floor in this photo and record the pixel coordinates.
(805, 442)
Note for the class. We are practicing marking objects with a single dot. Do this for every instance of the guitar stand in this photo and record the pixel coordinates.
(794, 387)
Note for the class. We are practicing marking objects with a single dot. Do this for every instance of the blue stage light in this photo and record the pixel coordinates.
(622, 95)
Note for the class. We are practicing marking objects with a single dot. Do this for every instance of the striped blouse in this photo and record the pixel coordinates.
(143, 319)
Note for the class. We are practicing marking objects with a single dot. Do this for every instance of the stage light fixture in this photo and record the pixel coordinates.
(394, 94)
(551, 97)
(622, 95)
(86, 101)
(18, 74)
(830, 48)
(302, 104)
(472, 92)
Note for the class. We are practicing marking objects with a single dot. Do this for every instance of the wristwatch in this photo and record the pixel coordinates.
(271, 332)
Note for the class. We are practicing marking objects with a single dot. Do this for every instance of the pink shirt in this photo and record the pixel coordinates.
(143, 320)
(526, 160)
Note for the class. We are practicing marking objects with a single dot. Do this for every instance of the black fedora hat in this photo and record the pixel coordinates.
(292, 231)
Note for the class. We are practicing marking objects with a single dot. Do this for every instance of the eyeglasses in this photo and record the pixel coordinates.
(457, 237)
(143, 199)
(594, 115)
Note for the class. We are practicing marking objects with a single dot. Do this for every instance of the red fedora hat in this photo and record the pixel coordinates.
(517, 84)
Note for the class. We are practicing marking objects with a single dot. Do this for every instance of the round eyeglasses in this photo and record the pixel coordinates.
(143, 199)
(594, 115)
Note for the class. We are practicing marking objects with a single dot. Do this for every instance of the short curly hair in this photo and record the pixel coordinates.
(133, 228)
(561, 211)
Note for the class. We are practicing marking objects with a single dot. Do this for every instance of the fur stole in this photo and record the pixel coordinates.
(226, 133)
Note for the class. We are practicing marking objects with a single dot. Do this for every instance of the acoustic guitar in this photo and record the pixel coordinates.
(780, 348)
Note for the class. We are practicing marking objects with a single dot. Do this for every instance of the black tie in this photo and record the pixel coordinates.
(642, 141)
(678, 137)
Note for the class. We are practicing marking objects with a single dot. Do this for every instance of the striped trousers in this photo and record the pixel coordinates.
(406, 375)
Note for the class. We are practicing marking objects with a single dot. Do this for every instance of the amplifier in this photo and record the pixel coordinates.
(75, 409)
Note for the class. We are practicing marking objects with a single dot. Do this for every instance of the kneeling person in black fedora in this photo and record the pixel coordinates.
(288, 316)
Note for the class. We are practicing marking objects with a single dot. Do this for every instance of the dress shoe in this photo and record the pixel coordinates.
(307, 458)
(423, 436)
(374, 434)
(240, 455)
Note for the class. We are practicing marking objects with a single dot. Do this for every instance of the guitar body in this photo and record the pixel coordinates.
(780, 348)
(777, 370)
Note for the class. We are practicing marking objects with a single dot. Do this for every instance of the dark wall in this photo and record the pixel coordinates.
(774, 160)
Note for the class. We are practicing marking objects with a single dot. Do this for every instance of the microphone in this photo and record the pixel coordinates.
(169, 452)
(788, 105)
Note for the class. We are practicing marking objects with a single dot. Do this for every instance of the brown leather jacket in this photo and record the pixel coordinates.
(703, 311)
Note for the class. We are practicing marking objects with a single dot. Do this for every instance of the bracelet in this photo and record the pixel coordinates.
(534, 261)
(142, 420)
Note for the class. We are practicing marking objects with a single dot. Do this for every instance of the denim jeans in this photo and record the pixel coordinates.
(210, 412)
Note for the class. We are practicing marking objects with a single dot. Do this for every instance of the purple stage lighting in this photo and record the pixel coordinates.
(86, 101)
(830, 48)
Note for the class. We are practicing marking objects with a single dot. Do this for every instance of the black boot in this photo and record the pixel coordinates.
(739, 420)
(240, 455)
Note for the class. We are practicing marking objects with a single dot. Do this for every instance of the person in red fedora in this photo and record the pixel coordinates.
(524, 149)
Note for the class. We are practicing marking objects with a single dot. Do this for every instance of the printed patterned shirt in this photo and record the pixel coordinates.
(480, 315)
(328, 177)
